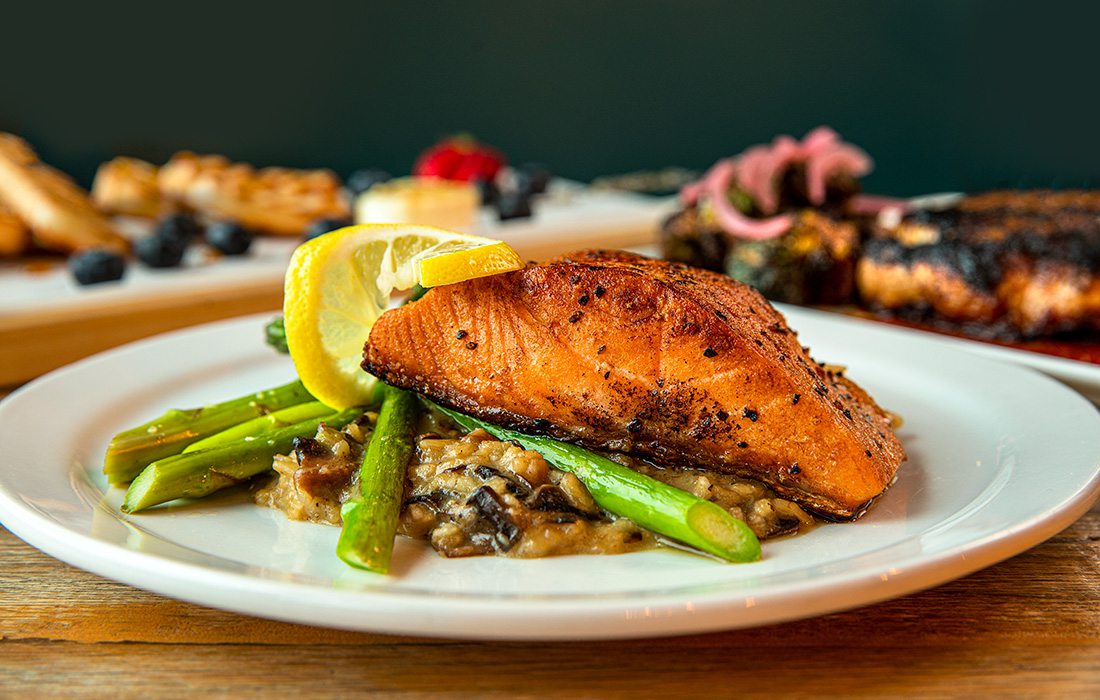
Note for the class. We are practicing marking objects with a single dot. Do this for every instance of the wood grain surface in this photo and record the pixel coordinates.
(30, 347)
(1028, 627)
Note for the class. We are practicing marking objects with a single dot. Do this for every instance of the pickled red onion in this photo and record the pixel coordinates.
(838, 159)
(729, 218)
(759, 173)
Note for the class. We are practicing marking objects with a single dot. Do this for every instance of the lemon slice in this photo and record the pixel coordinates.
(338, 284)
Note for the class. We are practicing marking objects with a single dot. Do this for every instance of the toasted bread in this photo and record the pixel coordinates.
(279, 201)
(128, 186)
(58, 212)
(15, 237)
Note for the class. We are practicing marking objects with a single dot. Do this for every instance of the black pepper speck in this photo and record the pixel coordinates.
(719, 314)
(575, 316)
(722, 416)
(599, 291)
(742, 444)
(867, 452)
(847, 414)
(583, 299)
(607, 374)
(575, 279)
(710, 352)
(599, 350)
(460, 335)
(795, 469)
(471, 345)
(750, 414)
(795, 398)
(634, 426)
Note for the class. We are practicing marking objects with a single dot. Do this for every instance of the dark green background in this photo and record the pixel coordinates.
(943, 95)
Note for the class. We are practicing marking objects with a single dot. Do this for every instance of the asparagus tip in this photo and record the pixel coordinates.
(728, 537)
(138, 492)
(353, 549)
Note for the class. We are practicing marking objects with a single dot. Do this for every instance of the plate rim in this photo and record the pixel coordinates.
(1084, 377)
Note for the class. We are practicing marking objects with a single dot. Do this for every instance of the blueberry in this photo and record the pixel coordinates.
(489, 191)
(229, 237)
(362, 180)
(514, 205)
(322, 226)
(95, 266)
(160, 251)
(532, 178)
(182, 228)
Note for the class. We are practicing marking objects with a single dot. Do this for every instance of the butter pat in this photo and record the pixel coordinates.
(420, 200)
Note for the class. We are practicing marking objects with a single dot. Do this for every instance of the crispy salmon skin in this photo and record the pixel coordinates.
(618, 352)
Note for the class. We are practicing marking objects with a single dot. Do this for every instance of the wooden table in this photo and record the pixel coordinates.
(1028, 627)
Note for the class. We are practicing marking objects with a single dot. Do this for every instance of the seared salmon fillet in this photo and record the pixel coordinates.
(618, 352)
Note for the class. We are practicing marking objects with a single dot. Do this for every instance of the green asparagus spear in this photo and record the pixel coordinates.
(275, 335)
(130, 451)
(262, 425)
(198, 474)
(370, 520)
(652, 504)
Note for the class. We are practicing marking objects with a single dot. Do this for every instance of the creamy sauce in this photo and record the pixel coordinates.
(475, 495)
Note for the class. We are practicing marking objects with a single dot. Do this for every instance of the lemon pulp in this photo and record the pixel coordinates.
(338, 284)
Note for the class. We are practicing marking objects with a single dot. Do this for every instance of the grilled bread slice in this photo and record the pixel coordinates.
(15, 237)
(57, 211)
(128, 186)
(278, 201)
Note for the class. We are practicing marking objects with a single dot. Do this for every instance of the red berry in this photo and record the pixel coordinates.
(473, 167)
(459, 158)
(437, 162)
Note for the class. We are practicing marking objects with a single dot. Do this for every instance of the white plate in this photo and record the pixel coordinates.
(1082, 376)
(1001, 458)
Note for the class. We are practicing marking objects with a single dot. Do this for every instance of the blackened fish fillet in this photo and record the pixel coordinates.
(1008, 264)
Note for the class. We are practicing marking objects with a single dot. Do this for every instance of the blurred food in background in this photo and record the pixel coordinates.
(460, 158)
(41, 207)
(195, 209)
(424, 200)
(790, 218)
(276, 201)
(451, 181)
(1007, 264)
(190, 198)
(665, 181)
(781, 217)
(15, 237)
